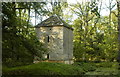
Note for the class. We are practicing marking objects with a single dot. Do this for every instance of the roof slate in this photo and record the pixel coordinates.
(53, 21)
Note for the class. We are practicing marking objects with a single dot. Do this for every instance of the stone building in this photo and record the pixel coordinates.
(57, 37)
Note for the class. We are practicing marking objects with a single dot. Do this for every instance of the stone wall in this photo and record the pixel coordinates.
(55, 43)
(68, 43)
(60, 42)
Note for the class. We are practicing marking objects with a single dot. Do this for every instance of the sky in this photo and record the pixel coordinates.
(104, 9)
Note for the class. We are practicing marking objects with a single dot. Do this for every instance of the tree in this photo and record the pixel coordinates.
(118, 8)
(94, 40)
(20, 43)
(87, 13)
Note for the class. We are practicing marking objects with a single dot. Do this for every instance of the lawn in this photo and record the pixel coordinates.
(78, 68)
(44, 68)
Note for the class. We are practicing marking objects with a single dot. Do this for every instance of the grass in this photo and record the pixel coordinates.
(44, 68)
(105, 68)
(78, 68)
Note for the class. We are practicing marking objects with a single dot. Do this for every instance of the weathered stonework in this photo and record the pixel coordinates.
(58, 39)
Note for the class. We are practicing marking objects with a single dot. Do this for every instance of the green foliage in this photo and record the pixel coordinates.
(44, 68)
(105, 68)
(58, 8)
(85, 66)
(19, 43)
(94, 38)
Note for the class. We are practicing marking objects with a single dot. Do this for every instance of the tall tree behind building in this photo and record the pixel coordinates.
(118, 8)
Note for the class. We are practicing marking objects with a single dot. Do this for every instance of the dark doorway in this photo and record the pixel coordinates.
(47, 56)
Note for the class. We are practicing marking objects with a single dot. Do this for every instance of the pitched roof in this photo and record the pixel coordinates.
(53, 21)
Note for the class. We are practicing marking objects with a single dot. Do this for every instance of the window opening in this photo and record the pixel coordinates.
(47, 56)
(48, 39)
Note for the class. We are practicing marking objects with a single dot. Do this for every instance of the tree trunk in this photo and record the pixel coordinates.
(118, 7)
